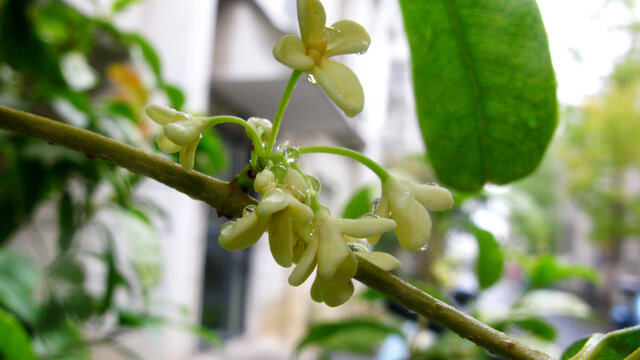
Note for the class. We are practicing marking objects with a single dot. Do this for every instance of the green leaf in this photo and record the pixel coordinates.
(359, 335)
(211, 157)
(360, 203)
(490, 258)
(149, 54)
(175, 95)
(537, 327)
(66, 222)
(484, 85)
(18, 276)
(547, 270)
(616, 345)
(14, 342)
(120, 5)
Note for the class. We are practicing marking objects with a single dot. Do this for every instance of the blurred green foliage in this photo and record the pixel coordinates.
(59, 62)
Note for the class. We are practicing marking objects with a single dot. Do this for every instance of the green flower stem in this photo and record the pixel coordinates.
(230, 200)
(379, 170)
(286, 96)
(251, 132)
(227, 198)
(433, 309)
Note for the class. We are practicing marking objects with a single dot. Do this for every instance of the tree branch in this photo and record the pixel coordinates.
(227, 198)
(446, 315)
(230, 200)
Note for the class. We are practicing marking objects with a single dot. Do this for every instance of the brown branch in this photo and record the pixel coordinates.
(227, 198)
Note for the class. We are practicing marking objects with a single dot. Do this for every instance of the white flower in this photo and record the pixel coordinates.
(406, 202)
(311, 54)
(180, 132)
(335, 261)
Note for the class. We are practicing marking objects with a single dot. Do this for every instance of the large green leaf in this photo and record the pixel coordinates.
(547, 270)
(616, 345)
(490, 260)
(18, 277)
(358, 335)
(14, 341)
(484, 85)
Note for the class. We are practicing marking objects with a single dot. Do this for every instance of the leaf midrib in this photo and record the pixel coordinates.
(480, 116)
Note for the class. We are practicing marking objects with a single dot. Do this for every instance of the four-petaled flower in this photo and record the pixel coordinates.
(406, 202)
(180, 132)
(311, 54)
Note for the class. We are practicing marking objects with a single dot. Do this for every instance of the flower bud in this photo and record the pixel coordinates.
(161, 114)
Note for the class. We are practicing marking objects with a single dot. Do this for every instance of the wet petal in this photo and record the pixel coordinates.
(186, 130)
(188, 155)
(241, 233)
(381, 210)
(296, 182)
(332, 249)
(300, 212)
(306, 264)
(281, 239)
(341, 85)
(167, 145)
(334, 293)
(347, 269)
(433, 197)
(381, 259)
(312, 18)
(347, 37)
(414, 224)
(274, 200)
(161, 114)
(365, 227)
(290, 51)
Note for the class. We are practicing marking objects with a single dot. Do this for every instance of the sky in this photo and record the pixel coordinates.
(586, 40)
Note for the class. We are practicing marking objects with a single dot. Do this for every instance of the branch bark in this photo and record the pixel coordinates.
(229, 200)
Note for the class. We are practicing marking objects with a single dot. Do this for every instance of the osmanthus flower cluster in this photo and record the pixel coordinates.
(301, 231)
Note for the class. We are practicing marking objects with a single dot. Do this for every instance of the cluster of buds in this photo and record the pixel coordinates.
(304, 233)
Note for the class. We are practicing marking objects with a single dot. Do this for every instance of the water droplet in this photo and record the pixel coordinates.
(315, 183)
(376, 202)
(433, 184)
(424, 248)
(403, 199)
(226, 227)
(248, 210)
(292, 154)
(312, 79)
(370, 216)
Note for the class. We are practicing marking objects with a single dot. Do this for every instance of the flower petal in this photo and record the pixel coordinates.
(334, 293)
(273, 201)
(312, 18)
(242, 233)
(186, 129)
(341, 85)
(167, 145)
(161, 114)
(347, 269)
(290, 51)
(414, 223)
(306, 264)
(433, 197)
(300, 212)
(381, 259)
(188, 155)
(281, 239)
(332, 249)
(381, 210)
(347, 37)
(365, 227)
